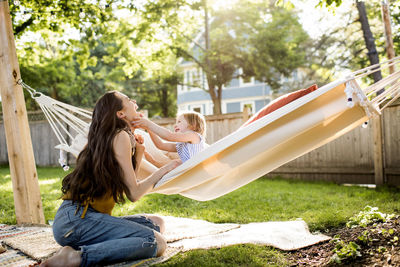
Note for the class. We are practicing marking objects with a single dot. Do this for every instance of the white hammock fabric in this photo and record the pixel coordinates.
(279, 137)
(283, 135)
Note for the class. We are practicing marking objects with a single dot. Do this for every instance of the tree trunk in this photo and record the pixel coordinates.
(215, 97)
(388, 33)
(164, 101)
(210, 80)
(369, 39)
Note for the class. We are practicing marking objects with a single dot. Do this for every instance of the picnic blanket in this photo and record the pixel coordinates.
(183, 234)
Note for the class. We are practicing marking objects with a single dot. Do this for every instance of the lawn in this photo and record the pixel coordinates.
(322, 205)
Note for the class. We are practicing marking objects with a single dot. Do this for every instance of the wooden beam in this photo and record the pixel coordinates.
(388, 33)
(28, 204)
(378, 131)
(392, 171)
(323, 170)
(378, 150)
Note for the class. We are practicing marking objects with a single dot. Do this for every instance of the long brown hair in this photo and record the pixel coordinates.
(97, 171)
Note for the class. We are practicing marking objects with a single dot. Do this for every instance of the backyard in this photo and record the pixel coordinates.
(326, 207)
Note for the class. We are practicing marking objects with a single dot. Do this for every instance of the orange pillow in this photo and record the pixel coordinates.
(280, 102)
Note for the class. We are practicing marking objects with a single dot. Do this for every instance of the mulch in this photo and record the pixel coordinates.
(381, 249)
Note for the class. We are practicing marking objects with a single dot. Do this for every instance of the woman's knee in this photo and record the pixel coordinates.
(158, 221)
(161, 243)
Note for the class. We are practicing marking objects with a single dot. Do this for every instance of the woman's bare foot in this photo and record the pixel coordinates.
(65, 257)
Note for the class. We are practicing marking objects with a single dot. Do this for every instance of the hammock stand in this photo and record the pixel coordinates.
(260, 147)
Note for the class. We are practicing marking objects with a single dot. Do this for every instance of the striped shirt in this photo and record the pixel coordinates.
(187, 150)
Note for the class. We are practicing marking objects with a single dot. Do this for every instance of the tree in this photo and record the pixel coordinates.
(229, 42)
(158, 95)
(43, 65)
(367, 33)
(34, 15)
(265, 42)
(368, 38)
(113, 55)
(277, 49)
(395, 15)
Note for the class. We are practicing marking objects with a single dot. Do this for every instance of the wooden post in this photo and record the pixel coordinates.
(378, 150)
(388, 33)
(28, 204)
(378, 130)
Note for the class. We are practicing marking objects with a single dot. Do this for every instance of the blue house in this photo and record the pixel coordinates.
(235, 96)
(238, 94)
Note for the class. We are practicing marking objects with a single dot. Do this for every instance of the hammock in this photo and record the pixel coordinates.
(63, 118)
(264, 145)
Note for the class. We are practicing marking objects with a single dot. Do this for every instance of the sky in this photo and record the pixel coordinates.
(310, 15)
(317, 20)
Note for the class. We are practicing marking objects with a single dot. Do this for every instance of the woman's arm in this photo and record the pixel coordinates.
(189, 136)
(122, 150)
(139, 151)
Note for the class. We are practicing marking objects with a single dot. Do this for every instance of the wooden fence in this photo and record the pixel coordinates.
(348, 159)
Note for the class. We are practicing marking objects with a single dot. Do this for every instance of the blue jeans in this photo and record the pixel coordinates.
(104, 239)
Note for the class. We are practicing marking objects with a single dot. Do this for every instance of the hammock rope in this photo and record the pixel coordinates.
(62, 117)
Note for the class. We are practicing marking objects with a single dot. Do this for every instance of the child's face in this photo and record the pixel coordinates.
(181, 125)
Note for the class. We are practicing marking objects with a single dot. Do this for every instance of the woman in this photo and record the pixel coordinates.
(104, 174)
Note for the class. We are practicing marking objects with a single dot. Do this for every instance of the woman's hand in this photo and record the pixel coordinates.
(139, 142)
(139, 138)
(172, 165)
(140, 147)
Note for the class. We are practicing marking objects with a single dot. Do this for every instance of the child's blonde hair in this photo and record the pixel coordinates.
(196, 121)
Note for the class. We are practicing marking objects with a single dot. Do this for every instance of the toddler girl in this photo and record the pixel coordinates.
(188, 136)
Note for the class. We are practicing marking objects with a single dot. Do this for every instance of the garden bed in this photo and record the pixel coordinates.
(378, 246)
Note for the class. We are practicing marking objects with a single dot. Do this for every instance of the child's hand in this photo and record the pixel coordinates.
(140, 122)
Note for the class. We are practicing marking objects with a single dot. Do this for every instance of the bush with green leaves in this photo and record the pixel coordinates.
(344, 250)
(367, 217)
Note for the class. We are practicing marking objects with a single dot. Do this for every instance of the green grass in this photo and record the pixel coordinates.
(322, 205)
(50, 185)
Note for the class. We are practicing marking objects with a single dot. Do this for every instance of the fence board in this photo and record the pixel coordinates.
(391, 124)
(348, 159)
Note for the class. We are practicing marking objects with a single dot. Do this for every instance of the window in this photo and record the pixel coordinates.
(197, 110)
(232, 107)
(196, 78)
(187, 80)
(248, 104)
